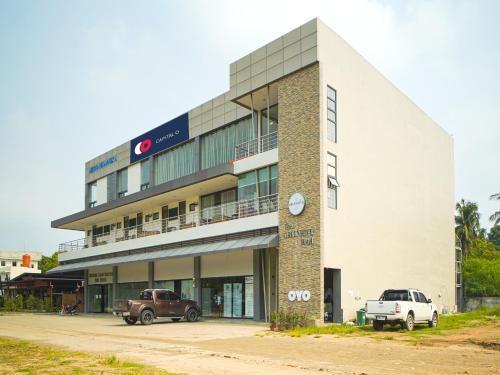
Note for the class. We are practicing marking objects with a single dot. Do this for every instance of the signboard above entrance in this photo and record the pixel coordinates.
(160, 139)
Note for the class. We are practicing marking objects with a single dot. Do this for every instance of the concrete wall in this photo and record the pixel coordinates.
(236, 263)
(133, 272)
(475, 303)
(394, 224)
(300, 265)
(173, 269)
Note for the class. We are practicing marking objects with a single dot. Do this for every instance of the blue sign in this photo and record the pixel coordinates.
(102, 164)
(159, 139)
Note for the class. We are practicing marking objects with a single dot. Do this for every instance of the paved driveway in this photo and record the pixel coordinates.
(236, 347)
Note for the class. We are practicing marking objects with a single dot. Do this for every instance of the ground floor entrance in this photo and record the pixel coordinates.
(332, 292)
(228, 297)
(100, 298)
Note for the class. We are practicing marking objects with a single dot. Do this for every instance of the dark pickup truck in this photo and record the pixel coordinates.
(156, 303)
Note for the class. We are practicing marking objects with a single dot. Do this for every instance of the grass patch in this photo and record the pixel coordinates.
(23, 357)
(446, 323)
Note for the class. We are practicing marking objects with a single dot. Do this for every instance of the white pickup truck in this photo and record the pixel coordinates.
(403, 306)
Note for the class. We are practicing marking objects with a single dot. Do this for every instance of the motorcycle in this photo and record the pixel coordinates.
(69, 309)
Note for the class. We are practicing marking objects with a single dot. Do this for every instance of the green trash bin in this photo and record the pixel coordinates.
(361, 317)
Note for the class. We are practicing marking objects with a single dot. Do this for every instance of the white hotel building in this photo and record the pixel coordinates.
(202, 204)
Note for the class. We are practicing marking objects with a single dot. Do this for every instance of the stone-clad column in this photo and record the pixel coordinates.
(300, 259)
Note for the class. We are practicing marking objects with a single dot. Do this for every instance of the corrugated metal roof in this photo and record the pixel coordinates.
(270, 240)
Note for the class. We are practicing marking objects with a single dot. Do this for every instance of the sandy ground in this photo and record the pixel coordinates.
(228, 347)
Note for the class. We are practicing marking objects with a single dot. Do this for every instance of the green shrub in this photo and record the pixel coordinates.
(19, 302)
(30, 302)
(9, 304)
(47, 304)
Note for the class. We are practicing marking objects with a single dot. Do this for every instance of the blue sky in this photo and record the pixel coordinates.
(78, 78)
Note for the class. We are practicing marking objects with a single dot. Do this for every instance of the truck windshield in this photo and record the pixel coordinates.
(395, 295)
(146, 295)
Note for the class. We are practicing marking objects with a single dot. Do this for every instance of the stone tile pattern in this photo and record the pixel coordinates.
(122, 154)
(285, 55)
(300, 266)
(214, 114)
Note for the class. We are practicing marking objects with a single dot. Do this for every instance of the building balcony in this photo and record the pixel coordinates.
(256, 146)
(230, 217)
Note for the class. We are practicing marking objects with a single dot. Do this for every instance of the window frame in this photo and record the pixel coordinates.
(331, 109)
(331, 188)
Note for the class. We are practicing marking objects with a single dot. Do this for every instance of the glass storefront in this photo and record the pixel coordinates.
(130, 290)
(100, 298)
(227, 297)
(183, 288)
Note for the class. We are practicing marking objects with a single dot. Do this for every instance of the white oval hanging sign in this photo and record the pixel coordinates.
(296, 204)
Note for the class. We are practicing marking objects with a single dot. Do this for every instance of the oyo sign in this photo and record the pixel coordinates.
(296, 204)
(299, 295)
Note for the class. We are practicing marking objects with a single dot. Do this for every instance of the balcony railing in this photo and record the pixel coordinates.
(207, 216)
(265, 143)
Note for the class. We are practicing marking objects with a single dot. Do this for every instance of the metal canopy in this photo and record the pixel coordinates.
(270, 240)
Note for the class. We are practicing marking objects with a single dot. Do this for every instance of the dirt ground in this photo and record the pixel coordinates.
(229, 347)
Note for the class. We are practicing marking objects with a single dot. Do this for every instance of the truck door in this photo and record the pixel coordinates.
(176, 306)
(162, 303)
(426, 307)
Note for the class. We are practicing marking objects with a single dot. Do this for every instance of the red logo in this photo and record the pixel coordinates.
(143, 147)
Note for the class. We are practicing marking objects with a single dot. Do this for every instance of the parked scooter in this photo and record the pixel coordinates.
(70, 309)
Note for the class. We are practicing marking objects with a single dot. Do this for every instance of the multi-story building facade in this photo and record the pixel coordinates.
(14, 263)
(311, 185)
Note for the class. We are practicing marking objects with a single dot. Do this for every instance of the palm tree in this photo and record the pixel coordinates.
(495, 218)
(467, 227)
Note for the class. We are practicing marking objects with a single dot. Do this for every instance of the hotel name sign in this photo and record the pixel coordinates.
(101, 278)
(304, 235)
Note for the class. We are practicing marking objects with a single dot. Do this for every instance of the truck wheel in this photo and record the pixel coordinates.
(129, 320)
(192, 315)
(409, 324)
(147, 317)
(378, 326)
(434, 322)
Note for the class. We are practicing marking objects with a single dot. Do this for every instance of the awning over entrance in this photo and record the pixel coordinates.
(259, 242)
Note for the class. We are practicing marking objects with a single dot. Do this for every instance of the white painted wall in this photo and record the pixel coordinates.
(256, 161)
(134, 178)
(394, 224)
(133, 272)
(235, 263)
(173, 269)
(102, 190)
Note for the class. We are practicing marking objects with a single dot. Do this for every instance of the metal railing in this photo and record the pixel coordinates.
(265, 143)
(211, 215)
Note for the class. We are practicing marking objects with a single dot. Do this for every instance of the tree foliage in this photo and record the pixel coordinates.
(47, 263)
(494, 236)
(481, 271)
(467, 227)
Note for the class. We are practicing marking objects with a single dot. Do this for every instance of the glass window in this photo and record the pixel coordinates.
(273, 184)
(146, 295)
(92, 193)
(173, 213)
(422, 298)
(247, 188)
(187, 290)
(161, 296)
(172, 296)
(218, 147)
(416, 297)
(269, 124)
(263, 175)
(145, 173)
(331, 114)
(174, 163)
(122, 182)
(131, 290)
(169, 284)
(332, 183)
